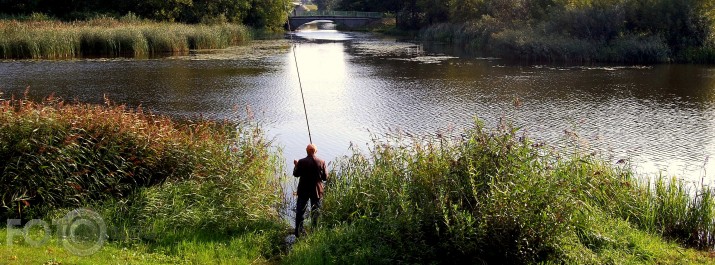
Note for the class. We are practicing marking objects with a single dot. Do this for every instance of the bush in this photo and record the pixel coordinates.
(636, 49)
(525, 44)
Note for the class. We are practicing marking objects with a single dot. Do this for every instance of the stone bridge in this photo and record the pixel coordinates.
(347, 19)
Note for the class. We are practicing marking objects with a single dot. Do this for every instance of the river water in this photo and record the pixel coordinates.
(661, 118)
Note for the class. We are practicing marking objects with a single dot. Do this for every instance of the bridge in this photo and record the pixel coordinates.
(347, 19)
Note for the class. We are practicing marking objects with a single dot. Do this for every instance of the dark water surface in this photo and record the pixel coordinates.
(660, 117)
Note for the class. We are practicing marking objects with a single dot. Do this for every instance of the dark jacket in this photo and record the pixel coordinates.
(311, 171)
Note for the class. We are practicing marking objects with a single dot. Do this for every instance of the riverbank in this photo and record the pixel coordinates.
(205, 192)
(109, 37)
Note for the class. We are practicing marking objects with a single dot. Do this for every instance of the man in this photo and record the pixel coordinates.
(311, 171)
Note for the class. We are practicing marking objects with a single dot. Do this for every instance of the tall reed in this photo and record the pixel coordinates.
(111, 37)
(203, 192)
(492, 196)
(56, 155)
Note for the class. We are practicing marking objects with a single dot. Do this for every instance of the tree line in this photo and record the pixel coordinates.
(270, 14)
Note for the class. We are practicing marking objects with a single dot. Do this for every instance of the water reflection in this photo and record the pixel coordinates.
(660, 117)
(320, 30)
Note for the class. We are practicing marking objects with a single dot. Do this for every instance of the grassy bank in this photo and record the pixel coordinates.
(493, 196)
(196, 192)
(111, 37)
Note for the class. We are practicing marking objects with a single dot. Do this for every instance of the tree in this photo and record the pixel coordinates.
(681, 22)
(325, 4)
(269, 14)
(168, 10)
(466, 10)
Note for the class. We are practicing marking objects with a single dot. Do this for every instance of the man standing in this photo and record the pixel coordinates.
(312, 172)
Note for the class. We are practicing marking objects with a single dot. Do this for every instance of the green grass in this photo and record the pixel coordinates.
(111, 37)
(240, 249)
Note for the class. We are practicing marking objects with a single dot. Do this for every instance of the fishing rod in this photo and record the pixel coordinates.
(300, 83)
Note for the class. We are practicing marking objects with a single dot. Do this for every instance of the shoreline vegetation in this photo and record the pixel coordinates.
(51, 29)
(171, 192)
(612, 31)
(110, 37)
(618, 31)
(208, 192)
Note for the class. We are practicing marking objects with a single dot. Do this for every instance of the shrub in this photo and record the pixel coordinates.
(636, 49)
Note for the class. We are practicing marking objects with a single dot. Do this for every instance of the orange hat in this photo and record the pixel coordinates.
(311, 149)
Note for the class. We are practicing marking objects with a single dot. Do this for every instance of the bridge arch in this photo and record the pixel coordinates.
(347, 19)
(317, 21)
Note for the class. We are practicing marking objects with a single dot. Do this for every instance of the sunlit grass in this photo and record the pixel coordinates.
(241, 249)
(111, 37)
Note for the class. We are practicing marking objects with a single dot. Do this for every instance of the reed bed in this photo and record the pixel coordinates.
(111, 37)
(57, 155)
(494, 196)
(181, 188)
(532, 44)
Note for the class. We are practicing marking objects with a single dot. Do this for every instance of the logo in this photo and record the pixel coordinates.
(81, 232)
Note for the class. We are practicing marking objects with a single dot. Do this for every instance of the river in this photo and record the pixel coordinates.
(661, 118)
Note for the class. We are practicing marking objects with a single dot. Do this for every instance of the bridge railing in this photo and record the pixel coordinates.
(333, 13)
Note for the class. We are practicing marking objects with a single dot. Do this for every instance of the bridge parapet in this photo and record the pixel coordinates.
(333, 13)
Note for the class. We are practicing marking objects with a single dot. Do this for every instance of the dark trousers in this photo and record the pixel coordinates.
(315, 203)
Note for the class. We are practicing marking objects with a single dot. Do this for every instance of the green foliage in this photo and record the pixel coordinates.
(325, 4)
(497, 197)
(268, 14)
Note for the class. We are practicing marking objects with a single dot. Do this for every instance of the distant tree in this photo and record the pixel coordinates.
(270, 14)
(411, 16)
(167, 10)
(325, 4)
(681, 22)
(208, 10)
(436, 11)
(391, 6)
(466, 10)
